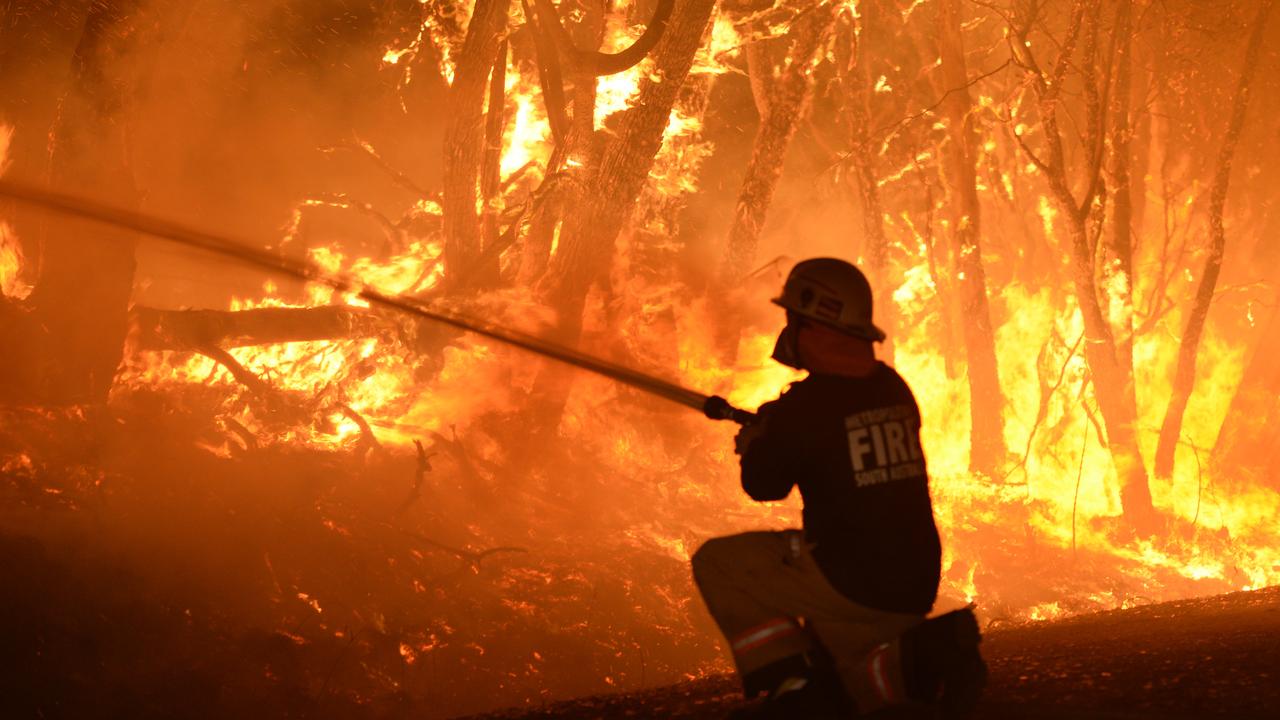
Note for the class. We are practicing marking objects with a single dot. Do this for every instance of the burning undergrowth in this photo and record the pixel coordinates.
(332, 579)
(280, 556)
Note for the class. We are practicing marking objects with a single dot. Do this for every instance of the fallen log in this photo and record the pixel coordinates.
(158, 329)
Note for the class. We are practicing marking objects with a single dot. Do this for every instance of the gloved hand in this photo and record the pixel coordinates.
(746, 436)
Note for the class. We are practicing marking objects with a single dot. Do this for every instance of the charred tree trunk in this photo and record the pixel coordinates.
(1185, 376)
(562, 185)
(464, 136)
(79, 305)
(790, 94)
(986, 399)
(761, 56)
(1141, 135)
(613, 184)
(491, 170)
(1113, 387)
(587, 240)
(535, 252)
(1117, 269)
(855, 76)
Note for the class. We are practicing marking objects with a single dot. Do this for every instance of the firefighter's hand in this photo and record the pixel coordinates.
(746, 436)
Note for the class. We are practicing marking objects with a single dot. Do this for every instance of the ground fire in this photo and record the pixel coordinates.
(226, 491)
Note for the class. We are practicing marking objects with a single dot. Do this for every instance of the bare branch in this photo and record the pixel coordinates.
(472, 557)
(368, 441)
(598, 63)
(360, 146)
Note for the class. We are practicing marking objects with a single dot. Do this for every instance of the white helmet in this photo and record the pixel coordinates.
(832, 292)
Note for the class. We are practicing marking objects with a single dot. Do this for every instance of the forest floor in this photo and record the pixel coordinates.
(155, 565)
(1215, 657)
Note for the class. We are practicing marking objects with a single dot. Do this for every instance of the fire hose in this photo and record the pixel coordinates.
(713, 406)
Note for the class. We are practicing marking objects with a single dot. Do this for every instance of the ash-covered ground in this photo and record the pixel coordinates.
(1216, 657)
(144, 575)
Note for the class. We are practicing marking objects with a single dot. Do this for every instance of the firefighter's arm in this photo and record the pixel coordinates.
(771, 457)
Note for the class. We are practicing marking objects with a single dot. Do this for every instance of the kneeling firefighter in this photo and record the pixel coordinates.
(830, 621)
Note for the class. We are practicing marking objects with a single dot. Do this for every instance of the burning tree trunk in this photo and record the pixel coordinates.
(760, 62)
(1141, 131)
(789, 97)
(986, 400)
(491, 170)
(1117, 269)
(464, 137)
(614, 183)
(574, 136)
(1113, 387)
(855, 77)
(1185, 376)
(78, 308)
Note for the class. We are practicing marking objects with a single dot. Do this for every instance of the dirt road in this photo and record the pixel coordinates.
(1216, 657)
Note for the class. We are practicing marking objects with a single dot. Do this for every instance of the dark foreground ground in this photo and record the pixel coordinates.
(1216, 657)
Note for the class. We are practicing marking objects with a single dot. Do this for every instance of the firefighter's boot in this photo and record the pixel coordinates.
(941, 663)
(809, 689)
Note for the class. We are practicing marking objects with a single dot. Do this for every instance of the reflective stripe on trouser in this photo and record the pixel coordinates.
(875, 680)
(758, 585)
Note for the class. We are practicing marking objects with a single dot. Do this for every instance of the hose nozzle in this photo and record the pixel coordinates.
(717, 408)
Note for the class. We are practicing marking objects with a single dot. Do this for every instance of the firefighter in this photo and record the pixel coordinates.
(829, 621)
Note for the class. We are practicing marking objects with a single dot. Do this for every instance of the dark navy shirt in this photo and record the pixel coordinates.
(852, 445)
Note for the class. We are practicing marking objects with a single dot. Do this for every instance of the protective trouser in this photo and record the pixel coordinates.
(772, 603)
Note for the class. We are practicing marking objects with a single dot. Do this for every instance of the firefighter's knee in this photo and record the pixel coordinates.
(707, 558)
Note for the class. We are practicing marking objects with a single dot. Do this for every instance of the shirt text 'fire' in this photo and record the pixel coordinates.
(884, 445)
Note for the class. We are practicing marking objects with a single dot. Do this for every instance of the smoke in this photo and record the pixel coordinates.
(220, 112)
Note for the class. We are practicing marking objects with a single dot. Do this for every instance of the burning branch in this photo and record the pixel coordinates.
(368, 441)
(242, 374)
(419, 476)
(472, 557)
(1046, 393)
(460, 455)
(542, 205)
(245, 434)
(396, 175)
(158, 329)
(596, 63)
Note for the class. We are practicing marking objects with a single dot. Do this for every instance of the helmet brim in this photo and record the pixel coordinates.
(869, 332)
